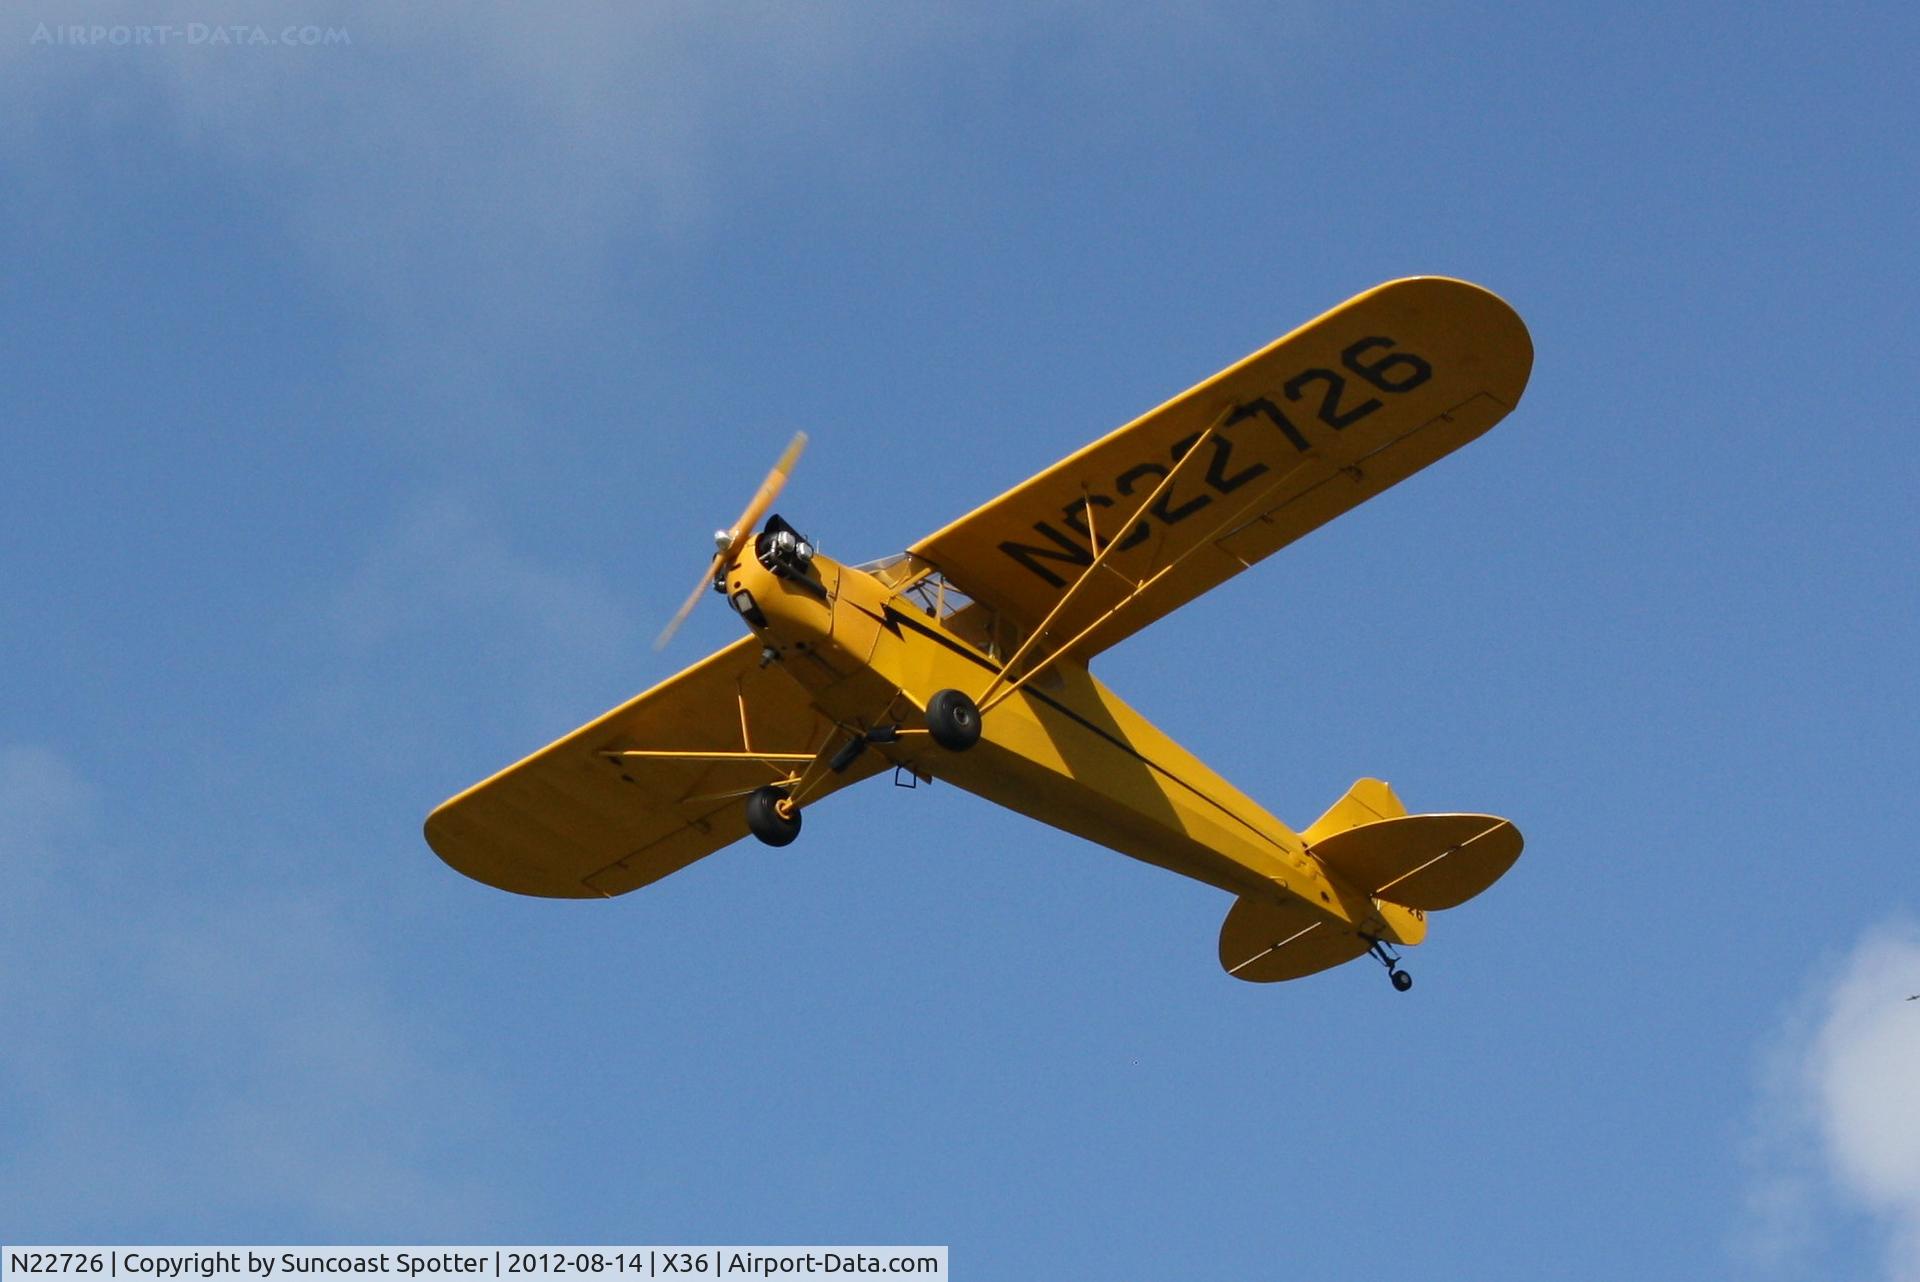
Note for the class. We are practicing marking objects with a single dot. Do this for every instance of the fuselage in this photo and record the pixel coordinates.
(1062, 748)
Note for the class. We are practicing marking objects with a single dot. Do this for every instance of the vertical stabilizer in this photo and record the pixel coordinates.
(1368, 801)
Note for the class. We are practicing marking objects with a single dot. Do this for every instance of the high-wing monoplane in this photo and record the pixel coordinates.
(965, 658)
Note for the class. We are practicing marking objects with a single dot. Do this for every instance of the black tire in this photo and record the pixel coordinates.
(766, 822)
(953, 720)
(1401, 981)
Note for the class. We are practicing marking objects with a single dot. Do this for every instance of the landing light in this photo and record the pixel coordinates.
(743, 605)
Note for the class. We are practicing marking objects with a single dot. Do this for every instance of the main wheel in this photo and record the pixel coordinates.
(1401, 981)
(953, 720)
(766, 822)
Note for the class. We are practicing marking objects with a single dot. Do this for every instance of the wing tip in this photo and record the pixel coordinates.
(490, 865)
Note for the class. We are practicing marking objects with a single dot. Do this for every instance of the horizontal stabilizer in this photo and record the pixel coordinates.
(1427, 862)
(1264, 942)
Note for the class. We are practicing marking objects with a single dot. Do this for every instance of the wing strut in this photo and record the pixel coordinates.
(989, 698)
(997, 693)
(801, 784)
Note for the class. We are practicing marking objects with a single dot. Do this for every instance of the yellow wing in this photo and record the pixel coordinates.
(1309, 426)
(578, 819)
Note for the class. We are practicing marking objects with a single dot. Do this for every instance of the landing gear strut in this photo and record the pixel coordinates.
(1391, 960)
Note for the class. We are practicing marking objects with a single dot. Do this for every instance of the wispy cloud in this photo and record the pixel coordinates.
(43, 801)
(173, 1054)
(462, 169)
(457, 172)
(510, 640)
(1837, 1135)
(442, 564)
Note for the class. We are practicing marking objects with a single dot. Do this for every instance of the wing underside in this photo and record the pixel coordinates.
(1224, 475)
(644, 790)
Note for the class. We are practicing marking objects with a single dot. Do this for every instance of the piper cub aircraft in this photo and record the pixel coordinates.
(966, 658)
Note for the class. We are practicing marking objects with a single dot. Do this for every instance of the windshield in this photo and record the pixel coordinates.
(923, 587)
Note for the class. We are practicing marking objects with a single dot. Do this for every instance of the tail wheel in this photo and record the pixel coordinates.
(953, 720)
(771, 817)
(1391, 960)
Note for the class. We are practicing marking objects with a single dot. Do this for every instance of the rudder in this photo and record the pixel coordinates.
(1368, 801)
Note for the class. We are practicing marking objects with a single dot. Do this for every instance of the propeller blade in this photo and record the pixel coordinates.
(742, 531)
(705, 583)
(764, 497)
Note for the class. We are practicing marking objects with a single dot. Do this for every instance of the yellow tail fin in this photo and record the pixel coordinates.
(1409, 865)
(1368, 801)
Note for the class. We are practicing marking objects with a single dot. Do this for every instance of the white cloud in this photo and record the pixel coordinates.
(1838, 1136)
(1864, 1072)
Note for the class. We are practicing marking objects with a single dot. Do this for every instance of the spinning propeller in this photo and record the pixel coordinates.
(730, 541)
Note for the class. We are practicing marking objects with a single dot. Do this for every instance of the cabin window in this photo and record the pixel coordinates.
(926, 589)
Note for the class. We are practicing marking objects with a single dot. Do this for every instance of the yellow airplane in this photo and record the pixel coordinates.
(965, 658)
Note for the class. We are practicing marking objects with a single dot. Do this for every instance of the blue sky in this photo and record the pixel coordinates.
(366, 409)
